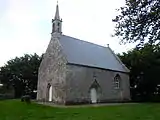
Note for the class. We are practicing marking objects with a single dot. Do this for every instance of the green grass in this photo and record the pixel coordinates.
(16, 110)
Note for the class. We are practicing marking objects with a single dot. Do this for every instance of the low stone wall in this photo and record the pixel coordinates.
(6, 96)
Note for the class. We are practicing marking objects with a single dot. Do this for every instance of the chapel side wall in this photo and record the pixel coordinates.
(52, 70)
(79, 79)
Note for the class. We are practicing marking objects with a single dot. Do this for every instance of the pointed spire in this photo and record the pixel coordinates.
(57, 22)
(57, 12)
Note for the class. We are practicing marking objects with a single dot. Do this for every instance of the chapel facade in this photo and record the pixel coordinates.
(74, 71)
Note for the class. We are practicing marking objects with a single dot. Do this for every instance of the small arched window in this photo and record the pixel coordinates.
(53, 28)
(117, 81)
(58, 24)
(58, 27)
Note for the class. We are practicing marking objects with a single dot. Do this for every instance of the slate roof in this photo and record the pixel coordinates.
(88, 54)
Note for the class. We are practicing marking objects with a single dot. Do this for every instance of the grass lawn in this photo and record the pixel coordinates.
(16, 110)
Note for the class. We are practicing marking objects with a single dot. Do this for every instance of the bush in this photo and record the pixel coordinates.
(26, 98)
(5, 96)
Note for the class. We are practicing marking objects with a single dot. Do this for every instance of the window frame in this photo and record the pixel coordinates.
(116, 82)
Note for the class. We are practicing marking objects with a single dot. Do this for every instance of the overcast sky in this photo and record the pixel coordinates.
(25, 25)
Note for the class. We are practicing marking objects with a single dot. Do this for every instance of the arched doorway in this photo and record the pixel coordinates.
(93, 95)
(95, 92)
(49, 92)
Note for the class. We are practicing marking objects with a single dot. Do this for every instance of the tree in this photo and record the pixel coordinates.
(138, 21)
(144, 65)
(21, 73)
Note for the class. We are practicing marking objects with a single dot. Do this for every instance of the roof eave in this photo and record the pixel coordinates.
(70, 63)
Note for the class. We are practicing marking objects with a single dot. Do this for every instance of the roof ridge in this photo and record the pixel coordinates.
(86, 41)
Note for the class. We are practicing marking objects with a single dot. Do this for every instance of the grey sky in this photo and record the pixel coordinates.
(25, 25)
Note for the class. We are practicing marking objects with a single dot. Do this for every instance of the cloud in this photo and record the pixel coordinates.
(19, 33)
(25, 25)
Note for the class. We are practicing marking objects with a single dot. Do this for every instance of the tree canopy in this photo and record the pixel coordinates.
(21, 73)
(138, 21)
(144, 65)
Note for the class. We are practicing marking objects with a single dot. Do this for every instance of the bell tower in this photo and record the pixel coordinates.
(57, 22)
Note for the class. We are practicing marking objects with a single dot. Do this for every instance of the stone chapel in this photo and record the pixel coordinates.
(74, 71)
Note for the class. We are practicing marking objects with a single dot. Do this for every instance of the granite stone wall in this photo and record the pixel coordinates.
(52, 71)
(79, 80)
